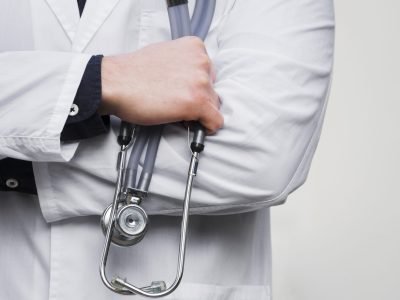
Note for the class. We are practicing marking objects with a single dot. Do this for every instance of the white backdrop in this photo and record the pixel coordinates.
(338, 237)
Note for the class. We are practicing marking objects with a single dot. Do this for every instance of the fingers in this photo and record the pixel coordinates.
(203, 102)
(213, 74)
(214, 99)
(211, 118)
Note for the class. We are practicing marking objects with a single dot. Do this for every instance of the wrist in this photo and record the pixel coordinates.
(109, 98)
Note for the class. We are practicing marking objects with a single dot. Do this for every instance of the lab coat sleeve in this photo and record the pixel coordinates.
(273, 61)
(37, 89)
(274, 69)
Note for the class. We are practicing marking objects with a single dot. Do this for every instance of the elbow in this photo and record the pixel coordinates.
(264, 172)
(257, 181)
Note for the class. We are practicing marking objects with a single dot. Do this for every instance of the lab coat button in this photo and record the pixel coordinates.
(74, 110)
(12, 183)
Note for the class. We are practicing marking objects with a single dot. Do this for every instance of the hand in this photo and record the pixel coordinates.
(162, 83)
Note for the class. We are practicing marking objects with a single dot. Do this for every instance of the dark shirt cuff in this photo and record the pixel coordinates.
(84, 121)
(17, 176)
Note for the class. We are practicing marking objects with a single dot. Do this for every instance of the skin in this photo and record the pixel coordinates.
(162, 83)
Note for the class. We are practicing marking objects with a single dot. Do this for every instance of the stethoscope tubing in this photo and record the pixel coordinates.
(181, 25)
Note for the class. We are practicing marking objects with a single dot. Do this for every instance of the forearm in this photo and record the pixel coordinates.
(273, 68)
(273, 79)
(162, 83)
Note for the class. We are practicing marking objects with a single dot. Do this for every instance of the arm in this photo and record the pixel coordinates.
(37, 91)
(83, 122)
(273, 67)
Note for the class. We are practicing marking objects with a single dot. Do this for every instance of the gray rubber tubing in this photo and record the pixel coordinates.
(181, 25)
(151, 154)
(196, 17)
(133, 164)
(179, 21)
(202, 18)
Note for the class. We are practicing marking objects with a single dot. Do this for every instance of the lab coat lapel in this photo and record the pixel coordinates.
(67, 13)
(94, 15)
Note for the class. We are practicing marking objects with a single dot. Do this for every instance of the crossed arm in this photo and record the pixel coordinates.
(273, 69)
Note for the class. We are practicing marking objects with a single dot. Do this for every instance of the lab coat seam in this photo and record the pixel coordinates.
(54, 264)
(37, 146)
(215, 208)
(40, 147)
(45, 189)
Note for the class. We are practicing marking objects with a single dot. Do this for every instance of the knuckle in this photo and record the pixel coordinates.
(200, 48)
(205, 62)
(196, 41)
(217, 124)
(203, 80)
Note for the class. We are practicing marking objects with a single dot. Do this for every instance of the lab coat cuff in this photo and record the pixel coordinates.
(85, 122)
(66, 150)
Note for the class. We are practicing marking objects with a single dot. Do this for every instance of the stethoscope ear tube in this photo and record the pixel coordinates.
(124, 221)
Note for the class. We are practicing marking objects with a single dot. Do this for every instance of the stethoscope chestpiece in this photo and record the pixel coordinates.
(130, 224)
(132, 221)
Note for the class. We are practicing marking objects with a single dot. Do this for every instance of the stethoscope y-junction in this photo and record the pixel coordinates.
(125, 222)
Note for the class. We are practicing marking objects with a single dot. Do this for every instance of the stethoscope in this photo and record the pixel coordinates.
(125, 222)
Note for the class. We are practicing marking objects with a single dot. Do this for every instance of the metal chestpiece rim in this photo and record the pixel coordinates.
(130, 224)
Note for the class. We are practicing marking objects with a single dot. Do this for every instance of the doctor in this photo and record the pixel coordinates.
(272, 62)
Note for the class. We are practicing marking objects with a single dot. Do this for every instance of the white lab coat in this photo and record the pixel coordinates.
(273, 61)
